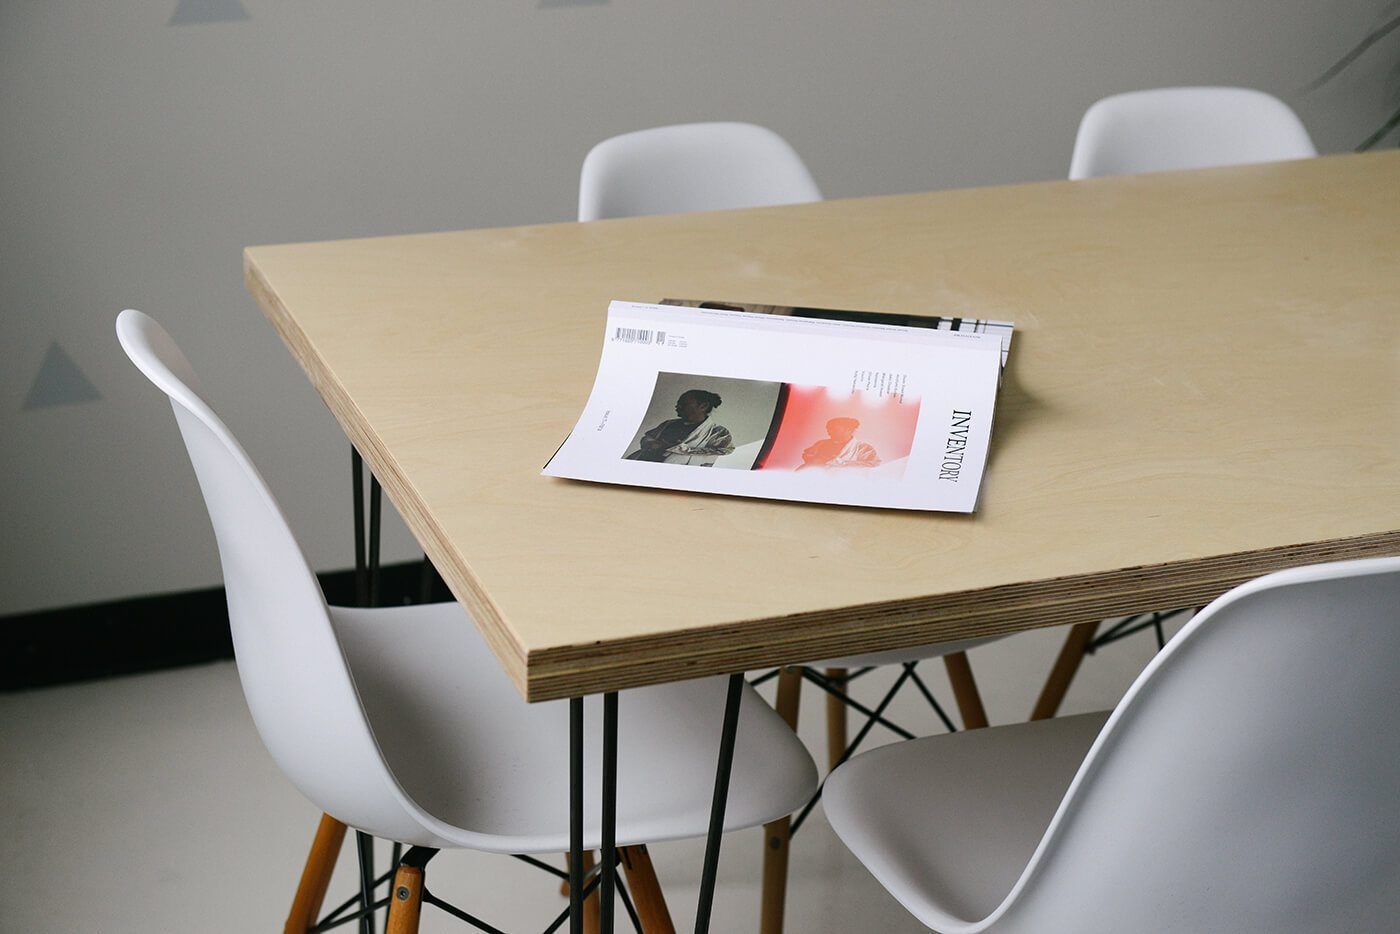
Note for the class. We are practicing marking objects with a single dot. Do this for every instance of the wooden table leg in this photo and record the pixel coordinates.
(835, 719)
(776, 834)
(315, 876)
(974, 715)
(647, 897)
(1057, 685)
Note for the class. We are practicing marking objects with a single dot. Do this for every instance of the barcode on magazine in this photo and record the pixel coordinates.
(639, 336)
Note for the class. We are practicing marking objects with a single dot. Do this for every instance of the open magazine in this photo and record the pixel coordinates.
(812, 407)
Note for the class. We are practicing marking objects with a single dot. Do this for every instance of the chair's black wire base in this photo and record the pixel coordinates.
(873, 716)
(1131, 625)
(836, 688)
(331, 921)
(350, 910)
(770, 675)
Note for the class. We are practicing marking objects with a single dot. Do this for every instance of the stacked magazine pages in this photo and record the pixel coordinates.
(818, 405)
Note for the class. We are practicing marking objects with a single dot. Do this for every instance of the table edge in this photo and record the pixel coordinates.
(570, 671)
(465, 587)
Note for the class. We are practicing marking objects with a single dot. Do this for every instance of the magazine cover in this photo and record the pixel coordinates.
(817, 409)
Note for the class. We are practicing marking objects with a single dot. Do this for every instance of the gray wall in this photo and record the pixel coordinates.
(142, 146)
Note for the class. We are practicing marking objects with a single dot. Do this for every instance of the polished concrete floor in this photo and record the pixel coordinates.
(146, 804)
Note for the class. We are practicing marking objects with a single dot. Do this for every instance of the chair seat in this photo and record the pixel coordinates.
(948, 823)
(899, 656)
(494, 771)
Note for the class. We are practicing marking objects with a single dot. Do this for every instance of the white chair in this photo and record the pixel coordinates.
(1186, 128)
(710, 167)
(1249, 781)
(400, 723)
(691, 167)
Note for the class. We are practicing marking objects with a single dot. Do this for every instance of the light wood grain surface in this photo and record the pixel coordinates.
(1204, 386)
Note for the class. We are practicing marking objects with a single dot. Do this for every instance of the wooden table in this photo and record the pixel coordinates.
(1204, 386)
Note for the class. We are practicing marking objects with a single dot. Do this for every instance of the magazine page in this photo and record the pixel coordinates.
(1002, 329)
(818, 410)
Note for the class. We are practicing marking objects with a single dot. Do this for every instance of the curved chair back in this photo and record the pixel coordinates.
(1249, 780)
(692, 167)
(295, 678)
(1186, 128)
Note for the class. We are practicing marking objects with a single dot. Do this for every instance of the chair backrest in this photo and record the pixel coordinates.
(1186, 128)
(295, 678)
(691, 167)
(1249, 781)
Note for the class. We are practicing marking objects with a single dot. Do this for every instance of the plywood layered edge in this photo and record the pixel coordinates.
(761, 643)
(459, 578)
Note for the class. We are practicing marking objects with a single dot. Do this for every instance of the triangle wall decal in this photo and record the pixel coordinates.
(59, 382)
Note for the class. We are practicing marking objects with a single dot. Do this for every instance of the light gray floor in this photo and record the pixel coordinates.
(147, 804)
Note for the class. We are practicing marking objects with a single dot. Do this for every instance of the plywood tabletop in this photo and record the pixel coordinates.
(1204, 386)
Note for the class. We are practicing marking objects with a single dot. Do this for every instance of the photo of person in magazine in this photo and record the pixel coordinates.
(692, 437)
(840, 448)
(774, 427)
(697, 420)
(858, 436)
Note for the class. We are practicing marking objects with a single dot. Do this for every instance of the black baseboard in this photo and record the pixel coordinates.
(149, 633)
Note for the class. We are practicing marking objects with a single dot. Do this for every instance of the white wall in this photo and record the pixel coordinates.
(137, 158)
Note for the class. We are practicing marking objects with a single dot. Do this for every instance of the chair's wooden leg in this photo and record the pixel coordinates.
(777, 834)
(315, 876)
(646, 891)
(1057, 685)
(835, 719)
(405, 901)
(974, 715)
(591, 919)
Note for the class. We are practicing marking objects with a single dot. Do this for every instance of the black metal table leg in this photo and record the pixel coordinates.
(608, 854)
(366, 547)
(365, 844)
(717, 804)
(576, 815)
(395, 857)
(372, 557)
(357, 479)
(367, 594)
